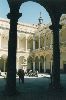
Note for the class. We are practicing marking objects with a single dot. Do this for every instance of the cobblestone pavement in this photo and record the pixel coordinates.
(35, 89)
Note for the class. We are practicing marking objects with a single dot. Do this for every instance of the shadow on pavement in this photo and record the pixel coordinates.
(35, 89)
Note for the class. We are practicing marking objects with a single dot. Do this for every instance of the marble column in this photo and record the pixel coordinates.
(44, 64)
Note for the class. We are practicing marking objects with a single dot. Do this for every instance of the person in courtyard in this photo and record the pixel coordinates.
(21, 75)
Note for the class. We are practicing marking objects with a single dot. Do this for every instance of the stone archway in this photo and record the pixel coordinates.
(55, 12)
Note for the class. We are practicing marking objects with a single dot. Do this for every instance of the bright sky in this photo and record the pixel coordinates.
(30, 12)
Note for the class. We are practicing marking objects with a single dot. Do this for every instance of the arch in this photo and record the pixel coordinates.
(44, 3)
(4, 56)
(30, 43)
(53, 9)
(34, 4)
(22, 60)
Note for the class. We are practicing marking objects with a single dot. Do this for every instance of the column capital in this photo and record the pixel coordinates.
(51, 27)
(14, 6)
(55, 18)
(14, 15)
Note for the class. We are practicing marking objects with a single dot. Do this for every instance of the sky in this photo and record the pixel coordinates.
(30, 12)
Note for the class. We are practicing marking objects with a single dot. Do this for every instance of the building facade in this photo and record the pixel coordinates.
(34, 46)
(42, 53)
(24, 34)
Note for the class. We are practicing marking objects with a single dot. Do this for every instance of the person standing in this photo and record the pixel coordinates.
(21, 75)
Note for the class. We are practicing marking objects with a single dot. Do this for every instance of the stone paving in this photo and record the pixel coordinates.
(35, 89)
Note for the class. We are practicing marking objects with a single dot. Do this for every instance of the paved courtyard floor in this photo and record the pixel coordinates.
(35, 89)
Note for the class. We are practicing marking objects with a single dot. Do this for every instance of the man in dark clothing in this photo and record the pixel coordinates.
(21, 75)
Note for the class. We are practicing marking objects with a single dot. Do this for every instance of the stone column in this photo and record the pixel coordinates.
(44, 41)
(44, 64)
(12, 46)
(56, 51)
(26, 43)
(34, 42)
(34, 65)
(39, 64)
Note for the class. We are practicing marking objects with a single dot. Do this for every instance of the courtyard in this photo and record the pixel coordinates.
(35, 88)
